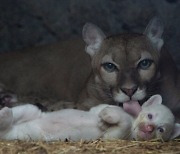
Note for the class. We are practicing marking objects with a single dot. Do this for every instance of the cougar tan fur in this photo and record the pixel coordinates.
(120, 68)
(55, 72)
(130, 67)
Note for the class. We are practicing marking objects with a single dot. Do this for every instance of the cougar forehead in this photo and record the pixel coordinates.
(125, 52)
(127, 49)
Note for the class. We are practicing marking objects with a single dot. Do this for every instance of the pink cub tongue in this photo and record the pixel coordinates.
(132, 107)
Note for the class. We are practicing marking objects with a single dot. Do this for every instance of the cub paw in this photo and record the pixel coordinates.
(6, 118)
(5, 113)
(103, 125)
(110, 115)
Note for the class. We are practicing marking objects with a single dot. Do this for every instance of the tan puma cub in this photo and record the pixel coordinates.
(120, 68)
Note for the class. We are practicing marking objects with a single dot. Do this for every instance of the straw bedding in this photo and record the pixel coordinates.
(98, 146)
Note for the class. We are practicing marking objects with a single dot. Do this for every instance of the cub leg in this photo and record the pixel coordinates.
(24, 113)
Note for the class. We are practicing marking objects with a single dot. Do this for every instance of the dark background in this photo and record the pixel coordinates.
(25, 23)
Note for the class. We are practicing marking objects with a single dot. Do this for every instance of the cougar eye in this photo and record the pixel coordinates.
(160, 129)
(109, 67)
(145, 64)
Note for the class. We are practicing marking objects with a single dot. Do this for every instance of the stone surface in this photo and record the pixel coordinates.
(26, 23)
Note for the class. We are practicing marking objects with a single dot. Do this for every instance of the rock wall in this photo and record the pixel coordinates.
(25, 23)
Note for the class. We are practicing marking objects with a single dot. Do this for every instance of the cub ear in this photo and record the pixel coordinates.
(176, 131)
(155, 99)
(154, 32)
(93, 36)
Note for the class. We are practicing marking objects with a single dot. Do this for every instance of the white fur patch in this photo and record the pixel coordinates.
(121, 97)
(139, 94)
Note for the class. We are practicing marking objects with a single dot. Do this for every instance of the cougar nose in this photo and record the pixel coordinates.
(129, 91)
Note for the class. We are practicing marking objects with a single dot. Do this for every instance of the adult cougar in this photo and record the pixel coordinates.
(124, 67)
(130, 67)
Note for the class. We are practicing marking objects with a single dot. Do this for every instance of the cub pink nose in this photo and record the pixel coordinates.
(147, 128)
(150, 128)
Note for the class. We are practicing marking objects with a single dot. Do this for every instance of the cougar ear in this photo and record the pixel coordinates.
(93, 36)
(154, 32)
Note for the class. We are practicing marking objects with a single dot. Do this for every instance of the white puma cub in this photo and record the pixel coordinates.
(27, 122)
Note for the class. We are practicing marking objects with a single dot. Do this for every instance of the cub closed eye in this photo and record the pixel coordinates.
(145, 64)
(109, 67)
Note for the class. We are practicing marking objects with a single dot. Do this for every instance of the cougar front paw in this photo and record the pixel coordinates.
(110, 115)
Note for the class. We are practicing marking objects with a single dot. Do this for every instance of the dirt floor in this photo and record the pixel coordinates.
(98, 146)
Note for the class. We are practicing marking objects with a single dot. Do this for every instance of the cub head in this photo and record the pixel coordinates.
(155, 121)
(126, 65)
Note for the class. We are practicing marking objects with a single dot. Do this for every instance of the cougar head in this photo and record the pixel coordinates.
(124, 65)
